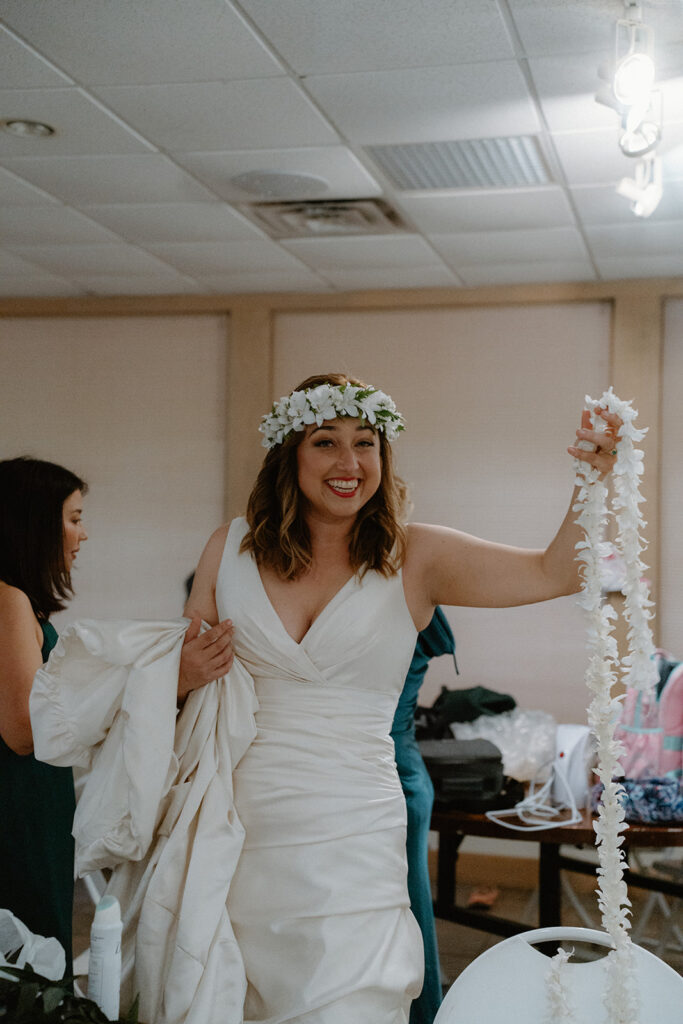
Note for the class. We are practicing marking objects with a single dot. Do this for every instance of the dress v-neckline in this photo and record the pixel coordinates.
(319, 616)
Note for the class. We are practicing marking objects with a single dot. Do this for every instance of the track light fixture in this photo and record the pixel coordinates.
(641, 127)
(634, 68)
(644, 189)
(629, 90)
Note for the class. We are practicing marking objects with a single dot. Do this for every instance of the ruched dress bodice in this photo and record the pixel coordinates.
(319, 901)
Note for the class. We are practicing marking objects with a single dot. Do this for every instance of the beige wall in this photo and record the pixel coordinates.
(490, 353)
(671, 603)
(484, 451)
(136, 406)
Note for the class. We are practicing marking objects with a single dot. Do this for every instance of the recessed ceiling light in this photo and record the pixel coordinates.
(27, 129)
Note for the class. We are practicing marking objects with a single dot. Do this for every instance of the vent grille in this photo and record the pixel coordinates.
(513, 162)
(328, 217)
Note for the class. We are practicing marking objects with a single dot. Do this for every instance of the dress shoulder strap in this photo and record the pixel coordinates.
(231, 552)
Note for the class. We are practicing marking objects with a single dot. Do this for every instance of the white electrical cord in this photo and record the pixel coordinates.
(535, 810)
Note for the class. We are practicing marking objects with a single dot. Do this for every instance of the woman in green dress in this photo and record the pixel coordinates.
(41, 530)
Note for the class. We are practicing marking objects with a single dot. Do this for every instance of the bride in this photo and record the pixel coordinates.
(326, 589)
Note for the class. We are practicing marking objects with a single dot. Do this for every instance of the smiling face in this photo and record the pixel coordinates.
(339, 467)
(74, 532)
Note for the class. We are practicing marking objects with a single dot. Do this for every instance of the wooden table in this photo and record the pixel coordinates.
(453, 826)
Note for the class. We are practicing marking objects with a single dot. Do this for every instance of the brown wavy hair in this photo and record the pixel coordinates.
(278, 535)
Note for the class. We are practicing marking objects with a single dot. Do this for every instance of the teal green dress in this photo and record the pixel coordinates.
(37, 805)
(434, 640)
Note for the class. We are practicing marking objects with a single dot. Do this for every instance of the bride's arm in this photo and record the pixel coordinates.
(206, 656)
(445, 566)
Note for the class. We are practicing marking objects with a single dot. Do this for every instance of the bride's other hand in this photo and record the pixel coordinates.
(604, 455)
(205, 656)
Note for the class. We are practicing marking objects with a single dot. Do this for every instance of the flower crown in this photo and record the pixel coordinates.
(327, 402)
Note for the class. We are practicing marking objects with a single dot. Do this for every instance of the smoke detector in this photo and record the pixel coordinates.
(317, 219)
(277, 185)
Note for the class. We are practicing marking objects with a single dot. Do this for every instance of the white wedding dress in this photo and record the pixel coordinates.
(319, 903)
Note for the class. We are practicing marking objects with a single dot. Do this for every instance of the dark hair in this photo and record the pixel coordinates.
(32, 496)
(278, 535)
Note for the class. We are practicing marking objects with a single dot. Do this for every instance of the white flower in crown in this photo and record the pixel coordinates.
(321, 401)
(296, 411)
(346, 403)
(326, 402)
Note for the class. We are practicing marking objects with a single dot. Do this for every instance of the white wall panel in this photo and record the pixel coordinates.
(136, 406)
(670, 611)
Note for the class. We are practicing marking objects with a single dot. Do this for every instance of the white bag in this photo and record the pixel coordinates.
(45, 956)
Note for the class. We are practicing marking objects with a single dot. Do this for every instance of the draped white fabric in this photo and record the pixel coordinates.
(319, 901)
(157, 805)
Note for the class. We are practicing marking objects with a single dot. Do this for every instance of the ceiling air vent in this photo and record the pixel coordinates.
(314, 219)
(514, 162)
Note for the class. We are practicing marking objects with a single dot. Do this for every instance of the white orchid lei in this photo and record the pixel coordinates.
(638, 670)
(327, 402)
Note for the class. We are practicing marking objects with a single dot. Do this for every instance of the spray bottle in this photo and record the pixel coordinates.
(104, 971)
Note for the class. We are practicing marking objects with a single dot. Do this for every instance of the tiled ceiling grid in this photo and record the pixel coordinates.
(164, 110)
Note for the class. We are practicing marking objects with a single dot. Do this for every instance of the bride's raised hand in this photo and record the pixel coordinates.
(205, 656)
(597, 447)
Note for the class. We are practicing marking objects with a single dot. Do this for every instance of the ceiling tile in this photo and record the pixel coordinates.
(13, 264)
(50, 225)
(173, 222)
(83, 180)
(566, 88)
(345, 175)
(642, 237)
(638, 265)
(298, 88)
(15, 192)
(354, 253)
(495, 247)
(428, 104)
(567, 85)
(603, 205)
(115, 258)
(342, 36)
(558, 26)
(544, 272)
(216, 257)
(80, 125)
(38, 284)
(154, 41)
(138, 284)
(591, 158)
(671, 151)
(672, 94)
(297, 280)
(258, 113)
(594, 158)
(485, 211)
(24, 69)
(393, 277)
